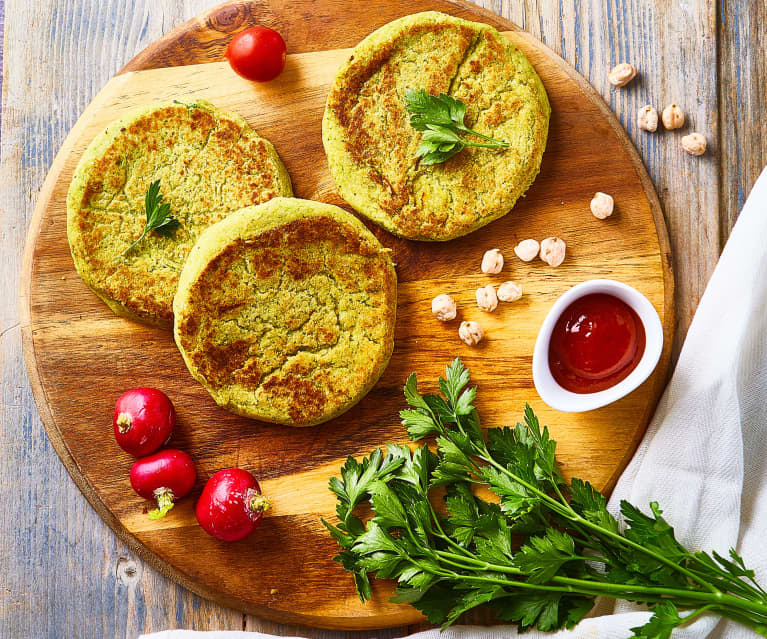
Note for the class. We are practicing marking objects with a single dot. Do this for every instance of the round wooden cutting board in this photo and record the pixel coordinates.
(81, 357)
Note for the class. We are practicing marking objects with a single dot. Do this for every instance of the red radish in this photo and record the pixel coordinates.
(231, 505)
(165, 476)
(143, 420)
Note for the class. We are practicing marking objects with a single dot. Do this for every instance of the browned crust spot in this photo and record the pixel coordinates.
(306, 400)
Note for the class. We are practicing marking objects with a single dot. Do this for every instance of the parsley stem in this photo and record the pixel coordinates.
(140, 237)
(466, 129)
(574, 516)
(584, 540)
(696, 613)
(591, 589)
(442, 534)
(494, 145)
(566, 510)
(738, 583)
(561, 496)
(583, 585)
(626, 591)
(479, 563)
(712, 598)
(563, 509)
(628, 542)
(759, 626)
(735, 586)
(571, 514)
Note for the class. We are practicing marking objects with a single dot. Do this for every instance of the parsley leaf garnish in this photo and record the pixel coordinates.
(539, 553)
(441, 118)
(158, 216)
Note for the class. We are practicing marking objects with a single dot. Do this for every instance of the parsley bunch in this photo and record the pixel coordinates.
(539, 553)
(441, 119)
(158, 217)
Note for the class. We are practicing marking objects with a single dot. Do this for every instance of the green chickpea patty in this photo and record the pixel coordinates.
(285, 311)
(209, 164)
(371, 147)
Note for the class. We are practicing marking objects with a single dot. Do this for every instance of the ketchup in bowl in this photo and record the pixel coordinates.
(596, 342)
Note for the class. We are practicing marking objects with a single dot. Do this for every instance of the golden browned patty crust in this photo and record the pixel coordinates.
(371, 146)
(285, 311)
(209, 164)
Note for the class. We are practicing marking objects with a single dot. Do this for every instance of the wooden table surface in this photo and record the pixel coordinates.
(65, 574)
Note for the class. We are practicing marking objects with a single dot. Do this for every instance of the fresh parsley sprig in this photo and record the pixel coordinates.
(573, 549)
(158, 216)
(440, 117)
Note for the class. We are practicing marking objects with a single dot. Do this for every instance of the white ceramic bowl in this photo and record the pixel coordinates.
(561, 399)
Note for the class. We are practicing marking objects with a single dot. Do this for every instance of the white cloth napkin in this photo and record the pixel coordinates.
(704, 457)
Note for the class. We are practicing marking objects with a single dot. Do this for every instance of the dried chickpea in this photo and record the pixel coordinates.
(487, 300)
(444, 308)
(694, 144)
(492, 261)
(509, 292)
(471, 333)
(553, 251)
(602, 205)
(527, 250)
(673, 117)
(647, 118)
(621, 74)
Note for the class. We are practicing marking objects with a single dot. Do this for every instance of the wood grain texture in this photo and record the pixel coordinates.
(673, 45)
(72, 340)
(742, 47)
(65, 573)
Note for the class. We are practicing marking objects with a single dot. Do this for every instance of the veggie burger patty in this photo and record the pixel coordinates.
(371, 146)
(285, 311)
(209, 164)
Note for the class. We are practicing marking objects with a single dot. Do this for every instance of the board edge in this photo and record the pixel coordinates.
(410, 616)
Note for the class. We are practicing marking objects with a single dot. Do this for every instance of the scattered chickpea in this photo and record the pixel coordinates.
(621, 74)
(647, 118)
(553, 251)
(444, 308)
(509, 292)
(602, 205)
(673, 117)
(487, 300)
(527, 250)
(471, 333)
(492, 261)
(694, 144)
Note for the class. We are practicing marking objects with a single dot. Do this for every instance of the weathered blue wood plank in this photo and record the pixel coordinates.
(64, 573)
(742, 46)
(2, 32)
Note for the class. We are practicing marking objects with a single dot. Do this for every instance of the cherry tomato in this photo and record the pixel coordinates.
(258, 53)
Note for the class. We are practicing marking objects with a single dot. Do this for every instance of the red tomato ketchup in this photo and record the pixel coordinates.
(597, 341)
